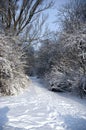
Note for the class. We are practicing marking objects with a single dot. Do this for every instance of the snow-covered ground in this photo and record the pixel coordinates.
(40, 109)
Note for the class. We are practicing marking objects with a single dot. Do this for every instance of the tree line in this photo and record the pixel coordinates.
(61, 58)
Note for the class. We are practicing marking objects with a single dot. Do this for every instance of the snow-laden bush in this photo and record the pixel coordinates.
(57, 80)
(70, 63)
(12, 77)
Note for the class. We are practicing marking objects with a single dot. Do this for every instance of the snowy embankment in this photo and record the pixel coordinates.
(40, 109)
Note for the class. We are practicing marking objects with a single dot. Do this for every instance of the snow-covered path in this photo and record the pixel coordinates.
(40, 109)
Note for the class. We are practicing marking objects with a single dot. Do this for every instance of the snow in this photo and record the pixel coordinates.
(41, 109)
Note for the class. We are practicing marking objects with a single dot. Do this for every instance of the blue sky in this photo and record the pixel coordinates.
(52, 14)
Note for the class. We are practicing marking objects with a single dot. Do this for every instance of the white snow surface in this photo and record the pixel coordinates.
(40, 109)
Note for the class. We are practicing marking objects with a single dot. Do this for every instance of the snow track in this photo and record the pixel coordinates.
(40, 109)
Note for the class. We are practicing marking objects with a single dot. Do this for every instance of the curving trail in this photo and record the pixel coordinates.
(41, 109)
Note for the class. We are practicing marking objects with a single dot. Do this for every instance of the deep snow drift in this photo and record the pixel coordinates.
(40, 109)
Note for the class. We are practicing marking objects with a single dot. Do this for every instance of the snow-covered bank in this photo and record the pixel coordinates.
(12, 76)
(40, 109)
